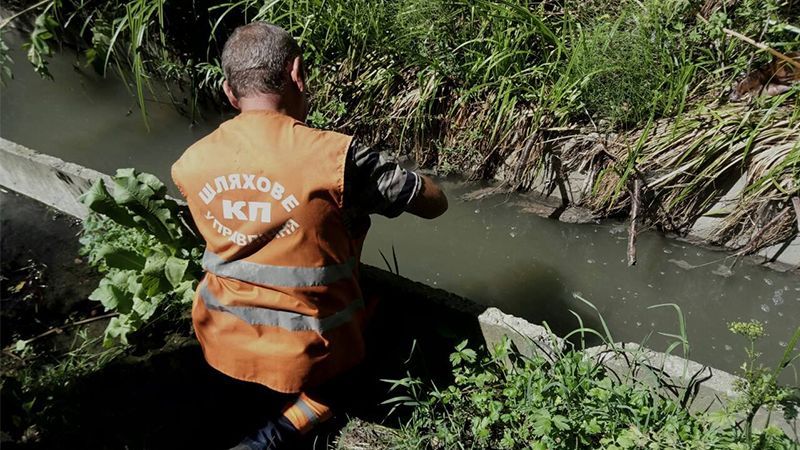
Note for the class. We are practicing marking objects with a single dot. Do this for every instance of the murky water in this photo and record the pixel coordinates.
(486, 250)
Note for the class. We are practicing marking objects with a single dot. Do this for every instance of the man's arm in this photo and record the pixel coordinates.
(430, 202)
(375, 184)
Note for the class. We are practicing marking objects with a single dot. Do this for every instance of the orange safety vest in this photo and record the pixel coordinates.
(280, 303)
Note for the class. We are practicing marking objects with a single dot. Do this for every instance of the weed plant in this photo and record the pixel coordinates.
(564, 399)
(149, 258)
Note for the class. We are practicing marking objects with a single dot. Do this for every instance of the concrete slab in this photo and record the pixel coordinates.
(786, 253)
(48, 179)
(708, 224)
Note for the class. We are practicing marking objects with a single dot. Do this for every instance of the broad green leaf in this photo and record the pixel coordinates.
(153, 183)
(117, 330)
(175, 270)
(146, 308)
(134, 286)
(113, 298)
(154, 265)
(119, 258)
(100, 201)
(153, 285)
(20, 345)
(144, 195)
(187, 291)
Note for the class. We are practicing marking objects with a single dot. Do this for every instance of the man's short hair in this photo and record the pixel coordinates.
(256, 58)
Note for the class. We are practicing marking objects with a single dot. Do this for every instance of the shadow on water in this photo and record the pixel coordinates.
(536, 292)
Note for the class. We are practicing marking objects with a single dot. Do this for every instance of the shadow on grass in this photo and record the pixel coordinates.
(170, 398)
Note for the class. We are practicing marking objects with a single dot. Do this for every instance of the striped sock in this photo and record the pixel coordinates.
(306, 413)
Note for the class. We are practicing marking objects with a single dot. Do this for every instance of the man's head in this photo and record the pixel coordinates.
(262, 62)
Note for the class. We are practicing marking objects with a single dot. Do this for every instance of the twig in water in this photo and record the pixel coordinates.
(635, 200)
(643, 179)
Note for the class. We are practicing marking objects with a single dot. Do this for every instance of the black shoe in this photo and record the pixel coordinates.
(278, 434)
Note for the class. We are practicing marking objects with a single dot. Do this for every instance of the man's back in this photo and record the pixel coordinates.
(266, 193)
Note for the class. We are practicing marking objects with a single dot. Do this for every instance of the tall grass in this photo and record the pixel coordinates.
(496, 87)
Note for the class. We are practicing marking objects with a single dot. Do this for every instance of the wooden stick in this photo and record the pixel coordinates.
(635, 200)
(796, 204)
(522, 162)
(8, 352)
(761, 46)
(60, 329)
(8, 20)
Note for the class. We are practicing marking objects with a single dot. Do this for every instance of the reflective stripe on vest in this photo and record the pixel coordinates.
(286, 276)
(310, 415)
(287, 320)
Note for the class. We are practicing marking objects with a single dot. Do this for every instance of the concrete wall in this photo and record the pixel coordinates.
(423, 313)
(785, 254)
(47, 179)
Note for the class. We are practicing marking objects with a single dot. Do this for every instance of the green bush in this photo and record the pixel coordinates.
(567, 400)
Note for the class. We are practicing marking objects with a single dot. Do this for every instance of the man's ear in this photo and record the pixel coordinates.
(298, 76)
(229, 93)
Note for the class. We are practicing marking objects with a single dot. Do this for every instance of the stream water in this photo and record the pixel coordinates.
(484, 250)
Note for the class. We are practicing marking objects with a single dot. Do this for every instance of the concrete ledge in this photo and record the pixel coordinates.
(50, 180)
(529, 339)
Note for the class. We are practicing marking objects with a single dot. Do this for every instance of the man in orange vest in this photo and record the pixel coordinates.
(284, 210)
